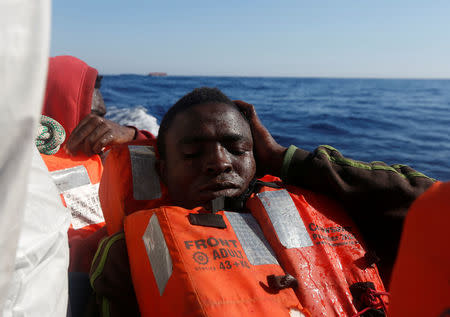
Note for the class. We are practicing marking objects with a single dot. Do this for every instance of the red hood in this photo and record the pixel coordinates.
(68, 96)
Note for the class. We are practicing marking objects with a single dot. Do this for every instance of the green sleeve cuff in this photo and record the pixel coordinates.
(287, 161)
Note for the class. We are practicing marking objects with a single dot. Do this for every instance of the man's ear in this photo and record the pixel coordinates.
(160, 166)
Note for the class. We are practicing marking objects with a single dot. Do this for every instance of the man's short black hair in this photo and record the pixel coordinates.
(198, 96)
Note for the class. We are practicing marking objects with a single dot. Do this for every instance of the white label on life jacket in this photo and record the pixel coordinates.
(158, 253)
(285, 218)
(251, 237)
(69, 178)
(84, 205)
(145, 179)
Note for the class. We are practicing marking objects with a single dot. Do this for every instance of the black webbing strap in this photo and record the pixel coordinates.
(279, 282)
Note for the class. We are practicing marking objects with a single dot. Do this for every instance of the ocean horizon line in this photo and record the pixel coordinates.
(281, 77)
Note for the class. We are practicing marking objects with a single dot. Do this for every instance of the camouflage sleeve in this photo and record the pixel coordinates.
(353, 182)
(376, 195)
(110, 278)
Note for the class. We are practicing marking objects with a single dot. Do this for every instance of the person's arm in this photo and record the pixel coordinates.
(110, 278)
(141, 134)
(94, 133)
(354, 183)
(269, 155)
(376, 195)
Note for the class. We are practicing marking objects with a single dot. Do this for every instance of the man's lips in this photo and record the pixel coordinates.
(218, 186)
(217, 189)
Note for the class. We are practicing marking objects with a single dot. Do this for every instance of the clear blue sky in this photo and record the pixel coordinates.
(326, 38)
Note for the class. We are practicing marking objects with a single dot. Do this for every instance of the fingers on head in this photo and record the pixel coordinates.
(247, 109)
(243, 105)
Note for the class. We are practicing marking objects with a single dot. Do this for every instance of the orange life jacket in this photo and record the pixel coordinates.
(77, 179)
(130, 182)
(181, 269)
(317, 243)
(420, 284)
(312, 237)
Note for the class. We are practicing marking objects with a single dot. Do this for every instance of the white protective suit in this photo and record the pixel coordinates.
(39, 286)
(24, 50)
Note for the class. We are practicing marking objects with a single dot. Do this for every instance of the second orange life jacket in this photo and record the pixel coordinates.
(420, 283)
(317, 243)
(77, 179)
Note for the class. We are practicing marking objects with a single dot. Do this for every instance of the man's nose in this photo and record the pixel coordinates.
(218, 160)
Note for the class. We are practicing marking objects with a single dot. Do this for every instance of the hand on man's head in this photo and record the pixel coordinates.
(268, 153)
(94, 133)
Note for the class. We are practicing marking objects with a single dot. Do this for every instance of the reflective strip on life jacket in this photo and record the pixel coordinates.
(180, 269)
(129, 182)
(77, 179)
(317, 243)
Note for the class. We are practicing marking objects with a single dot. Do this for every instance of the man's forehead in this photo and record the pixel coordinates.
(212, 110)
(200, 121)
(226, 137)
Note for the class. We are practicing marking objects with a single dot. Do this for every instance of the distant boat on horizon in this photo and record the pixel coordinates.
(157, 74)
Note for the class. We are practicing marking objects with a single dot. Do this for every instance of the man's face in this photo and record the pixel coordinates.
(98, 105)
(209, 153)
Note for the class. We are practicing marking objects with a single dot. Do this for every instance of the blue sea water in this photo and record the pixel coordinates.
(390, 120)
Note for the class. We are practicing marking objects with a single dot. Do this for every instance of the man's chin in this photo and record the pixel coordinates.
(206, 200)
